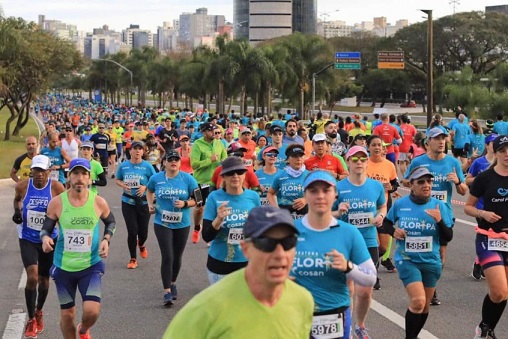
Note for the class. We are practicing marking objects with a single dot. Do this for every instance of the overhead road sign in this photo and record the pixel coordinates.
(348, 60)
(390, 60)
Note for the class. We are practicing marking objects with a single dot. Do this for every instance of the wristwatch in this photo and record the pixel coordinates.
(349, 267)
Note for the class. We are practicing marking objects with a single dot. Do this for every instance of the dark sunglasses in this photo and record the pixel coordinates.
(356, 159)
(237, 172)
(269, 244)
(216, 133)
(171, 159)
(424, 181)
(271, 155)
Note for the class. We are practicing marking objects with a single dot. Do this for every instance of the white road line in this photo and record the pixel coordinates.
(397, 319)
(15, 326)
(469, 223)
(22, 281)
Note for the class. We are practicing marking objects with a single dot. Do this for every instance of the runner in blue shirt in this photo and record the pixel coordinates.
(329, 252)
(422, 222)
(276, 134)
(267, 172)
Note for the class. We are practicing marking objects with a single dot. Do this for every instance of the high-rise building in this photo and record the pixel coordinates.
(194, 26)
(503, 9)
(166, 38)
(143, 37)
(380, 22)
(258, 20)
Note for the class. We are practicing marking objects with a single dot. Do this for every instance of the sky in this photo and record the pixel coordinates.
(119, 14)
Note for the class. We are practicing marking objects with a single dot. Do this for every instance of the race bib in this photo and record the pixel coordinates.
(78, 241)
(361, 220)
(264, 201)
(132, 182)
(171, 217)
(498, 245)
(248, 162)
(418, 244)
(55, 175)
(296, 216)
(35, 219)
(327, 326)
(100, 146)
(235, 236)
(439, 195)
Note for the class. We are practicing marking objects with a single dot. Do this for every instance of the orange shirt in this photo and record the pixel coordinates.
(250, 155)
(328, 162)
(383, 171)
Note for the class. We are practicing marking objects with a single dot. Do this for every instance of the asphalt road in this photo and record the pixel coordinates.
(132, 299)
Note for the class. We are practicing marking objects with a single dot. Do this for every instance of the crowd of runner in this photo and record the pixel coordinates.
(325, 190)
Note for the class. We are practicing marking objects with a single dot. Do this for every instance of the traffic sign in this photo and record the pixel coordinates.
(390, 60)
(348, 60)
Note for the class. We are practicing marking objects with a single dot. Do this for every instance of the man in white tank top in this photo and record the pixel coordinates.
(70, 143)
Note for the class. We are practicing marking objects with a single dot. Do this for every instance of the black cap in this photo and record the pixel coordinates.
(297, 150)
(206, 127)
(276, 128)
(500, 142)
(232, 164)
(172, 154)
(137, 144)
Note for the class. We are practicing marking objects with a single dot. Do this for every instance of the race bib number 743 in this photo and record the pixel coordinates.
(78, 240)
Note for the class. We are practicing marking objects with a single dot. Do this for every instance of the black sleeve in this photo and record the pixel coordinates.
(388, 226)
(18, 161)
(101, 180)
(209, 233)
(445, 233)
(395, 185)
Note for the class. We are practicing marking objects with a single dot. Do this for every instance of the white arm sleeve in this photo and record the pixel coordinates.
(364, 274)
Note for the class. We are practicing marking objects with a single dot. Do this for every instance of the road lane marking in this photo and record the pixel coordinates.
(397, 319)
(22, 280)
(15, 326)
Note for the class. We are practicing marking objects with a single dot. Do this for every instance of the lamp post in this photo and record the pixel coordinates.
(124, 68)
(430, 65)
(314, 85)
(326, 15)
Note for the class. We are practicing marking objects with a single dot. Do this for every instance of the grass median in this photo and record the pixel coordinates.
(16, 145)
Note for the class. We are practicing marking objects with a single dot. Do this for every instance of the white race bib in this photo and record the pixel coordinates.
(78, 241)
(264, 201)
(235, 236)
(439, 195)
(35, 219)
(418, 244)
(132, 182)
(55, 175)
(498, 245)
(171, 217)
(100, 146)
(248, 162)
(296, 216)
(327, 326)
(361, 220)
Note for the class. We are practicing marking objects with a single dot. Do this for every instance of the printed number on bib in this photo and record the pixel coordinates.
(264, 201)
(235, 236)
(498, 245)
(327, 326)
(78, 240)
(248, 162)
(361, 219)
(132, 182)
(171, 217)
(296, 216)
(35, 219)
(439, 195)
(100, 146)
(55, 175)
(418, 244)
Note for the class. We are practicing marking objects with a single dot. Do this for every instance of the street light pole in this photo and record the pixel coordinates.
(124, 68)
(430, 65)
(314, 85)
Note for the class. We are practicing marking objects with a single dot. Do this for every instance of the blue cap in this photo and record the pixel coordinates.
(319, 175)
(79, 162)
(434, 132)
(264, 218)
(489, 138)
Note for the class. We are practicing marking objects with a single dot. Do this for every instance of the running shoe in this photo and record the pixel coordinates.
(40, 321)
(477, 271)
(168, 299)
(435, 300)
(133, 263)
(377, 285)
(492, 335)
(196, 236)
(361, 332)
(389, 265)
(31, 328)
(174, 292)
(143, 252)
(83, 335)
(482, 331)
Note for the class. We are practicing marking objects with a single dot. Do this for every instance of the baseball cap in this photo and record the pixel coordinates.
(137, 144)
(101, 125)
(319, 137)
(229, 131)
(182, 137)
(68, 129)
(88, 144)
(172, 154)
(434, 132)
(419, 172)
(298, 150)
(40, 161)
(489, 138)
(131, 124)
(79, 162)
(356, 149)
(263, 218)
(232, 164)
(276, 128)
(500, 142)
(206, 126)
(88, 128)
(270, 149)
(236, 147)
(246, 130)
(360, 136)
(319, 175)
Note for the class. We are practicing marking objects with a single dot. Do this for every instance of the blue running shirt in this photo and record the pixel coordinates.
(266, 181)
(35, 204)
(288, 188)
(134, 175)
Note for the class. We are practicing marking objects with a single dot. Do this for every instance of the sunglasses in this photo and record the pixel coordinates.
(237, 172)
(424, 181)
(173, 159)
(271, 155)
(269, 244)
(356, 159)
(217, 133)
(184, 140)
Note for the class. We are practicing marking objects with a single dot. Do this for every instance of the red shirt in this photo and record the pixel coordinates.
(388, 133)
(409, 132)
(249, 156)
(251, 180)
(328, 163)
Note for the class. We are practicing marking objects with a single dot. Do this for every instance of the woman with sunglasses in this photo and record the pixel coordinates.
(173, 190)
(287, 187)
(361, 202)
(267, 172)
(422, 221)
(226, 210)
(329, 252)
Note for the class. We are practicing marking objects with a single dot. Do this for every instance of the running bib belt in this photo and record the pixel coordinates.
(328, 326)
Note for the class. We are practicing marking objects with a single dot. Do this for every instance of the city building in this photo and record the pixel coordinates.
(380, 22)
(193, 26)
(503, 9)
(167, 38)
(331, 29)
(137, 37)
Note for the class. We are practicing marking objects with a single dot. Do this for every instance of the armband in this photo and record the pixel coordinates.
(47, 227)
(110, 224)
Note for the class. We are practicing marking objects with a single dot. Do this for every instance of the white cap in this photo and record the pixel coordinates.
(41, 161)
(319, 137)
